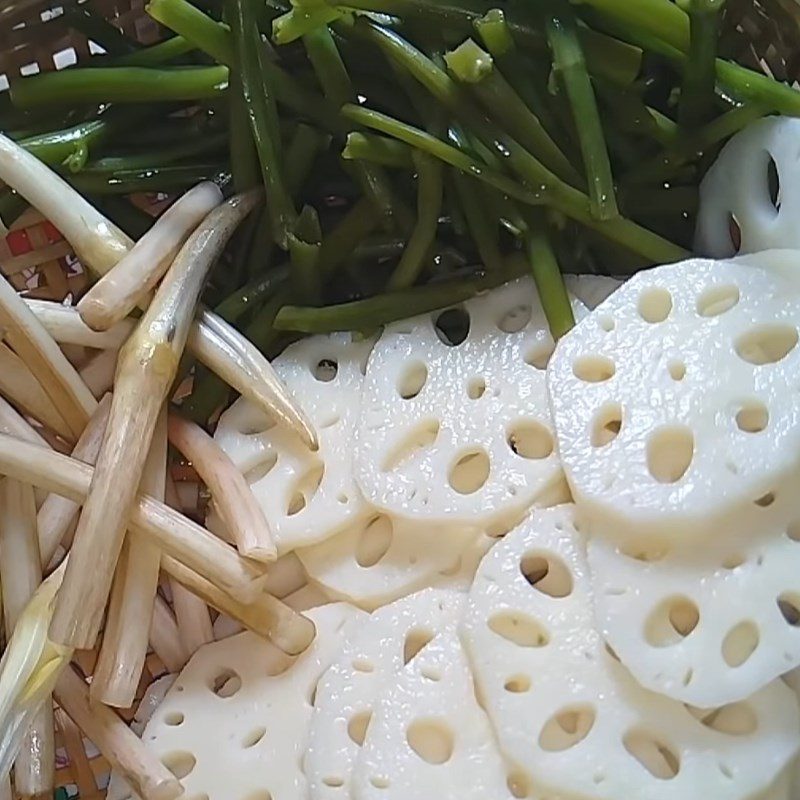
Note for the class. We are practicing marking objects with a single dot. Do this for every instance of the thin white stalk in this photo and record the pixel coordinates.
(231, 356)
(121, 289)
(12, 424)
(148, 363)
(101, 245)
(98, 243)
(98, 374)
(175, 534)
(191, 612)
(165, 637)
(116, 741)
(126, 635)
(56, 514)
(65, 325)
(264, 615)
(233, 498)
(21, 574)
(45, 360)
(18, 384)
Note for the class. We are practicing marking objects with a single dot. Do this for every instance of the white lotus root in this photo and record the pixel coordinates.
(371, 659)
(459, 429)
(673, 401)
(737, 192)
(307, 496)
(428, 737)
(234, 725)
(571, 718)
(591, 290)
(709, 622)
(382, 559)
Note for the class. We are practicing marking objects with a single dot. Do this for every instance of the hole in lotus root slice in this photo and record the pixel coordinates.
(718, 299)
(476, 388)
(669, 382)
(567, 728)
(740, 643)
(734, 719)
(326, 370)
(374, 541)
(393, 641)
(519, 785)
(296, 487)
(789, 606)
(516, 319)
(752, 417)
(766, 344)
(179, 762)
(669, 453)
(253, 747)
(432, 740)
(226, 683)
(594, 369)
(531, 439)
(357, 727)
(452, 326)
(519, 629)
(671, 621)
(639, 738)
(470, 472)
(606, 425)
(655, 305)
(412, 380)
(482, 407)
(416, 639)
(547, 573)
(659, 759)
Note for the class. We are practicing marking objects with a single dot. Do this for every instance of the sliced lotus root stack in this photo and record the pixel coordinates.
(571, 718)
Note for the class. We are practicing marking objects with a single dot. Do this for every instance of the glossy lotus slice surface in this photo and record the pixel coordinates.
(455, 423)
(673, 400)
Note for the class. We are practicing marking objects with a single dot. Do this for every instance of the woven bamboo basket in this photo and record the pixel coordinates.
(39, 262)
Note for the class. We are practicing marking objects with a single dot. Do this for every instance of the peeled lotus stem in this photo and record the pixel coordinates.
(65, 325)
(57, 513)
(176, 535)
(148, 364)
(265, 615)
(19, 385)
(100, 245)
(126, 635)
(234, 500)
(118, 292)
(44, 359)
(191, 612)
